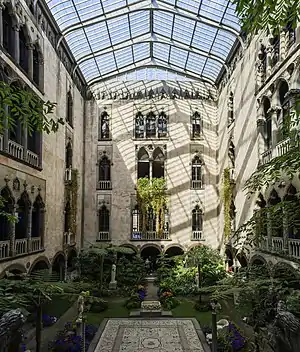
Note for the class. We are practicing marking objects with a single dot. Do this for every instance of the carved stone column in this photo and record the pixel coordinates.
(283, 44)
(16, 29)
(275, 111)
(150, 168)
(269, 60)
(285, 227)
(30, 47)
(29, 228)
(260, 123)
(12, 235)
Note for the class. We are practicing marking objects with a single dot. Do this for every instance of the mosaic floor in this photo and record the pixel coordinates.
(140, 335)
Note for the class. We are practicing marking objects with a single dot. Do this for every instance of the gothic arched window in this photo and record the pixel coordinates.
(38, 220)
(162, 124)
(21, 227)
(104, 169)
(36, 65)
(197, 173)
(69, 156)
(67, 222)
(8, 34)
(139, 125)
(158, 167)
(230, 109)
(197, 219)
(285, 119)
(196, 125)
(268, 123)
(104, 125)
(23, 50)
(5, 225)
(103, 219)
(69, 115)
(143, 164)
(150, 125)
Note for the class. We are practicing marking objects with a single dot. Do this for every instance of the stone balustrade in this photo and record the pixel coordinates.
(69, 239)
(104, 185)
(103, 236)
(196, 236)
(150, 236)
(20, 246)
(277, 245)
(15, 149)
(196, 184)
(280, 149)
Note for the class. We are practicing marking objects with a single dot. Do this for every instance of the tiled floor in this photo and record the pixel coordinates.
(141, 335)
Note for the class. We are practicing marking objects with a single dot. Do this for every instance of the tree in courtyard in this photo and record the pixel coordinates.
(267, 15)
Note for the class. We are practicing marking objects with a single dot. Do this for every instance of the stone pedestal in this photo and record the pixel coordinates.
(113, 285)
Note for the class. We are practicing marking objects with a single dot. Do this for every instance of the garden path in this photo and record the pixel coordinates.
(150, 335)
(49, 334)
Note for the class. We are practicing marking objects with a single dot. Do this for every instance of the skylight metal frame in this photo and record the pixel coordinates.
(199, 56)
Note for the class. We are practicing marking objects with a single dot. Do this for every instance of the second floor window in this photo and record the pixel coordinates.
(69, 115)
(196, 125)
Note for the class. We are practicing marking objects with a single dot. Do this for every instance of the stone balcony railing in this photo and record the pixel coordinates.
(280, 149)
(23, 246)
(69, 239)
(196, 184)
(17, 151)
(277, 246)
(196, 236)
(105, 185)
(103, 236)
(150, 236)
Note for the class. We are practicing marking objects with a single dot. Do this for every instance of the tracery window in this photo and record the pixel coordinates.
(143, 169)
(284, 118)
(197, 173)
(103, 219)
(196, 125)
(36, 66)
(139, 125)
(162, 124)
(38, 219)
(150, 125)
(151, 168)
(104, 132)
(275, 222)
(23, 50)
(197, 219)
(21, 226)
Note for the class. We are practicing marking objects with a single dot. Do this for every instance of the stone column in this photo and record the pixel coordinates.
(30, 47)
(16, 29)
(285, 232)
(1, 23)
(5, 133)
(269, 231)
(150, 168)
(12, 234)
(293, 95)
(269, 60)
(29, 228)
(283, 44)
(260, 123)
(66, 267)
(275, 111)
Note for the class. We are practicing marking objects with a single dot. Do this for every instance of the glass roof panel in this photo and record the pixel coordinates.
(108, 35)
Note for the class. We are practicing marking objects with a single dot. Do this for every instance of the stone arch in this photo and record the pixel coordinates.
(40, 263)
(258, 260)
(173, 250)
(72, 257)
(242, 260)
(149, 249)
(282, 87)
(15, 268)
(128, 245)
(194, 245)
(58, 265)
(60, 253)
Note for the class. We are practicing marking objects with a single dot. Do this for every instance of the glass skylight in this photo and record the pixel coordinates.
(111, 37)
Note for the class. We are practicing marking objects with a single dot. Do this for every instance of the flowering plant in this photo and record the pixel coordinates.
(167, 294)
(48, 320)
(235, 338)
(141, 292)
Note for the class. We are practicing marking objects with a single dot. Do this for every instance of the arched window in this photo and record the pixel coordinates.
(143, 164)
(139, 125)
(36, 65)
(38, 219)
(268, 123)
(196, 125)
(151, 223)
(162, 124)
(69, 156)
(150, 125)
(5, 225)
(197, 173)
(21, 227)
(231, 155)
(69, 116)
(67, 222)
(23, 50)
(284, 120)
(8, 35)
(292, 212)
(197, 219)
(103, 219)
(136, 220)
(261, 220)
(230, 109)
(104, 125)
(104, 169)
(158, 167)
(276, 218)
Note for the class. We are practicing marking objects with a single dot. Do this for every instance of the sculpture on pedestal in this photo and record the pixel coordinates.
(113, 282)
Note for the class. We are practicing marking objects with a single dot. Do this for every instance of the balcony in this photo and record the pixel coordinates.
(150, 236)
(280, 149)
(197, 184)
(69, 239)
(23, 246)
(277, 246)
(103, 236)
(104, 185)
(197, 236)
(17, 151)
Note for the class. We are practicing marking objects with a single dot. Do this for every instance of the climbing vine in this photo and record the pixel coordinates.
(152, 194)
(227, 197)
(71, 197)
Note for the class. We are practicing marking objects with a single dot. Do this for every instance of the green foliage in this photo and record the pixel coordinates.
(168, 301)
(133, 302)
(227, 197)
(267, 15)
(152, 193)
(293, 303)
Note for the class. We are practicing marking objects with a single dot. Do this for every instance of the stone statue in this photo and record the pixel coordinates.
(197, 279)
(285, 330)
(113, 282)
(80, 307)
(10, 325)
